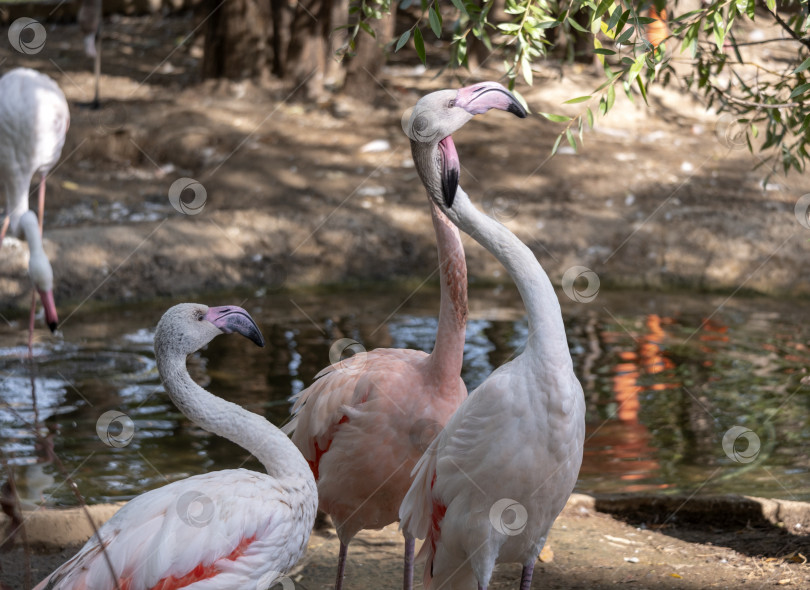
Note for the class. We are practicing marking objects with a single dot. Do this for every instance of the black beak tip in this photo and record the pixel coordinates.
(52, 326)
(517, 110)
(258, 339)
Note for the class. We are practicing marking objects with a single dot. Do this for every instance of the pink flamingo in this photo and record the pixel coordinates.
(34, 119)
(228, 529)
(491, 484)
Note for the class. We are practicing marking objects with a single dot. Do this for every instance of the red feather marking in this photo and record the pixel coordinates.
(319, 452)
(434, 533)
(201, 572)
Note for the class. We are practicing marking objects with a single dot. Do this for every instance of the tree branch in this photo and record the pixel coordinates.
(760, 105)
(784, 25)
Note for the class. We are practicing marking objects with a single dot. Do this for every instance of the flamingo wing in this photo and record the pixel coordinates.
(323, 406)
(228, 529)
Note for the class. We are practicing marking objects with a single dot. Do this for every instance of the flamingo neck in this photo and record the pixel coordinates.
(268, 444)
(39, 267)
(448, 352)
(547, 341)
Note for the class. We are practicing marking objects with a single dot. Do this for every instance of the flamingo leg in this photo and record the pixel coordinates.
(41, 210)
(526, 577)
(31, 323)
(4, 229)
(97, 72)
(341, 565)
(407, 583)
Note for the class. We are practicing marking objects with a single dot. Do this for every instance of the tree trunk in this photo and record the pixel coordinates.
(235, 38)
(306, 56)
(363, 70)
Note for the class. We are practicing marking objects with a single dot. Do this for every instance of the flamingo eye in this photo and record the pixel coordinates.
(451, 103)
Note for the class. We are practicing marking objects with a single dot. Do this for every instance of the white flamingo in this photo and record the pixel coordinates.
(228, 529)
(89, 18)
(34, 119)
(489, 487)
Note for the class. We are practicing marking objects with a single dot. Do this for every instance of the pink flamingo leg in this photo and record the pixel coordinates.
(341, 565)
(41, 209)
(31, 323)
(407, 583)
(526, 577)
(4, 229)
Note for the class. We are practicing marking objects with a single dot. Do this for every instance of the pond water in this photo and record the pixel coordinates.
(666, 378)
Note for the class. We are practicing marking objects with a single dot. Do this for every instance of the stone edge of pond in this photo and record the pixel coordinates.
(53, 529)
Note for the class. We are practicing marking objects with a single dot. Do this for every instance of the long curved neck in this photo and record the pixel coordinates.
(29, 226)
(448, 352)
(250, 431)
(547, 341)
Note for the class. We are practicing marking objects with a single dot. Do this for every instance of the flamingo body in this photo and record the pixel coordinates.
(228, 529)
(365, 421)
(245, 529)
(34, 120)
(362, 426)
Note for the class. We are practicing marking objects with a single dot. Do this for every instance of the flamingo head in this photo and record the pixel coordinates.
(187, 327)
(440, 114)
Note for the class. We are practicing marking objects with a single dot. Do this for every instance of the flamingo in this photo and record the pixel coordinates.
(491, 484)
(89, 18)
(365, 421)
(227, 529)
(34, 119)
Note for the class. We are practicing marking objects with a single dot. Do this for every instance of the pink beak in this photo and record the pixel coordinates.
(231, 318)
(50, 309)
(479, 98)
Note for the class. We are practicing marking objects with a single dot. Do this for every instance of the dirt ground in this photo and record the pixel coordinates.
(297, 194)
(729, 542)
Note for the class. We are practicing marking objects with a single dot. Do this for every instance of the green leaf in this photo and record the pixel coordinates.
(570, 137)
(509, 27)
(603, 106)
(556, 144)
(435, 21)
(614, 18)
(804, 65)
(625, 37)
(526, 69)
(643, 89)
(578, 99)
(635, 68)
(601, 51)
(719, 30)
(600, 10)
(574, 24)
(556, 118)
(799, 90)
(403, 39)
(611, 98)
(590, 118)
(419, 45)
(771, 4)
(622, 21)
(460, 6)
(367, 28)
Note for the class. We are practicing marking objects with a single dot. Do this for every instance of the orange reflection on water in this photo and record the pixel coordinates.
(623, 444)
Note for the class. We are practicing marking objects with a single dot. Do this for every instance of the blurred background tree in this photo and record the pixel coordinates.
(327, 44)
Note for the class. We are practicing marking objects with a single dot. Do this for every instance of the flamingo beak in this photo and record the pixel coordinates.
(451, 168)
(479, 98)
(50, 309)
(231, 318)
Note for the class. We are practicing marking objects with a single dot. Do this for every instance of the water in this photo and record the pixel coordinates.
(665, 378)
